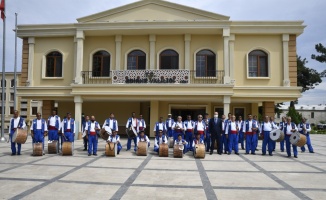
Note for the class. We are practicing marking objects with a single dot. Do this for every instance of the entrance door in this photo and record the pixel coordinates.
(184, 112)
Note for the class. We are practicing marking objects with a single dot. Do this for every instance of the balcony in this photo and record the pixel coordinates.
(153, 77)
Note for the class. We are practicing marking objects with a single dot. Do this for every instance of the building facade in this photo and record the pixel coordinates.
(157, 57)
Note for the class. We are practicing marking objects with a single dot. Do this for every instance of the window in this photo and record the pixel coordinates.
(12, 96)
(101, 64)
(220, 111)
(5, 83)
(12, 110)
(258, 64)
(12, 83)
(34, 110)
(239, 112)
(169, 59)
(136, 60)
(1, 96)
(312, 115)
(3, 110)
(205, 63)
(54, 64)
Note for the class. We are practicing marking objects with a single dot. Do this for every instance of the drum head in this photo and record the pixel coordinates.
(295, 137)
(108, 130)
(275, 134)
(14, 136)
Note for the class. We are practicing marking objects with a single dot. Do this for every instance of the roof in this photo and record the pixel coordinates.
(305, 107)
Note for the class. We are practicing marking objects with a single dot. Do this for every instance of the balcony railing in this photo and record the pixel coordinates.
(164, 76)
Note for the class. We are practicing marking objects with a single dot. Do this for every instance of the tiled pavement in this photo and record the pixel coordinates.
(131, 177)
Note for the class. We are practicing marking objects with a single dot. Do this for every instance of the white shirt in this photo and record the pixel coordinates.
(233, 127)
(92, 127)
(16, 121)
(114, 139)
(68, 125)
(160, 126)
(189, 125)
(160, 141)
(267, 127)
(274, 126)
(200, 126)
(194, 143)
(134, 122)
(53, 120)
(305, 125)
(39, 125)
(170, 123)
(111, 124)
(180, 142)
(141, 124)
(145, 139)
(180, 124)
(250, 126)
(289, 128)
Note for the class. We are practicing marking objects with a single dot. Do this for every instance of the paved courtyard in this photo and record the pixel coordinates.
(131, 177)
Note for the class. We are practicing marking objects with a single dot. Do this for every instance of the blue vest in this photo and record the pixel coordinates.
(158, 128)
(56, 121)
(143, 138)
(199, 142)
(229, 126)
(107, 121)
(254, 124)
(20, 123)
(65, 125)
(158, 139)
(241, 126)
(89, 127)
(116, 137)
(35, 125)
(286, 125)
(192, 123)
(301, 126)
(167, 123)
(196, 126)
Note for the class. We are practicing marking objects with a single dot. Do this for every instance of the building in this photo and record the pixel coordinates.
(156, 57)
(27, 107)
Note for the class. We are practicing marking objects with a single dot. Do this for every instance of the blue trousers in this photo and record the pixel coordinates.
(308, 144)
(129, 142)
(241, 139)
(119, 147)
(156, 149)
(170, 132)
(208, 141)
(282, 145)
(267, 142)
(288, 146)
(225, 143)
(189, 139)
(38, 137)
(92, 144)
(68, 137)
(251, 142)
(53, 135)
(233, 142)
(13, 145)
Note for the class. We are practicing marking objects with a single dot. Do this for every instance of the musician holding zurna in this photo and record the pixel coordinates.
(159, 139)
(178, 128)
(115, 139)
(132, 122)
(92, 129)
(231, 132)
(39, 130)
(289, 129)
(169, 125)
(266, 128)
(160, 126)
(179, 141)
(305, 128)
(16, 122)
(142, 138)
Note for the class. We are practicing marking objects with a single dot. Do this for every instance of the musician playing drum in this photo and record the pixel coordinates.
(68, 128)
(266, 128)
(16, 122)
(169, 125)
(54, 125)
(231, 132)
(115, 139)
(289, 128)
(305, 128)
(142, 138)
(200, 127)
(271, 120)
(178, 128)
(141, 124)
(197, 140)
(39, 130)
(92, 129)
(180, 141)
(159, 139)
(281, 127)
(132, 121)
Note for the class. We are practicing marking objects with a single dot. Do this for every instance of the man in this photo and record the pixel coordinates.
(68, 128)
(200, 127)
(115, 139)
(231, 132)
(208, 136)
(39, 130)
(85, 136)
(266, 128)
(189, 131)
(16, 122)
(178, 128)
(250, 128)
(215, 128)
(143, 138)
(132, 122)
(141, 124)
(169, 125)
(225, 140)
(180, 141)
(159, 139)
(282, 124)
(54, 125)
(289, 128)
(305, 128)
(271, 120)
(111, 122)
(241, 133)
(92, 131)
(160, 126)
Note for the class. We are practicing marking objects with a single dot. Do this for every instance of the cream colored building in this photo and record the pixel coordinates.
(155, 57)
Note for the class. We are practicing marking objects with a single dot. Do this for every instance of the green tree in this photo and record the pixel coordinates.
(307, 78)
(295, 115)
(321, 57)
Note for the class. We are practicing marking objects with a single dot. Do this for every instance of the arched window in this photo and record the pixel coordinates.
(5, 83)
(169, 59)
(136, 60)
(12, 82)
(101, 64)
(258, 64)
(205, 63)
(54, 64)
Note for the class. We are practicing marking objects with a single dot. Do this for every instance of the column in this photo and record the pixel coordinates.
(226, 102)
(187, 50)
(268, 109)
(154, 116)
(231, 56)
(31, 45)
(254, 109)
(78, 113)
(226, 37)
(118, 41)
(152, 49)
(80, 56)
(286, 80)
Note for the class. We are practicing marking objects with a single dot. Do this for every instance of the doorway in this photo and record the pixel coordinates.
(184, 112)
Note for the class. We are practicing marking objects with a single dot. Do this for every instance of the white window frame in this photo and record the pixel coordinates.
(268, 62)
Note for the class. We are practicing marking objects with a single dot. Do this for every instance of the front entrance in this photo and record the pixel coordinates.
(184, 112)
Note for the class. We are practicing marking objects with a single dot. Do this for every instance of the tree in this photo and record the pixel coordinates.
(295, 115)
(307, 78)
(320, 58)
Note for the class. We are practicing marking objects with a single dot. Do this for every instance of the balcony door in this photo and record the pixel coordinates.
(169, 59)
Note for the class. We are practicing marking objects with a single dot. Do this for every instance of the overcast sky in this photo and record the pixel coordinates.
(67, 11)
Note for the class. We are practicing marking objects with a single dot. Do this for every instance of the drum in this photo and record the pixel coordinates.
(67, 148)
(298, 139)
(171, 142)
(131, 132)
(111, 149)
(20, 136)
(199, 151)
(105, 133)
(53, 147)
(38, 149)
(163, 150)
(142, 149)
(178, 151)
(276, 135)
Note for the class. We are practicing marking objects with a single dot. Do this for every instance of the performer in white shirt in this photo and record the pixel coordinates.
(68, 128)
(159, 139)
(134, 122)
(180, 141)
(266, 128)
(141, 124)
(111, 122)
(169, 125)
(305, 128)
(178, 128)
(160, 126)
(54, 126)
(289, 128)
(189, 131)
(143, 138)
(115, 139)
(231, 132)
(92, 129)
(16, 122)
(39, 130)
(250, 129)
(200, 127)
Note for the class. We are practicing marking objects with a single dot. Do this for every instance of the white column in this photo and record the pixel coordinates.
(187, 50)
(152, 43)
(231, 54)
(286, 78)
(80, 56)
(118, 41)
(226, 37)
(31, 45)
(78, 111)
(226, 101)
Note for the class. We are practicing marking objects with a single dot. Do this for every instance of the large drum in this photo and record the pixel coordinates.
(105, 133)
(111, 149)
(171, 142)
(199, 151)
(164, 150)
(67, 148)
(178, 151)
(37, 149)
(131, 132)
(276, 135)
(53, 147)
(298, 139)
(19, 136)
(142, 149)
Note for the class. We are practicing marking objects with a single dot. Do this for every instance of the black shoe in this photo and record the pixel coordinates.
(118, 152)
(237, 153)
(270, 154)
(296, 156)
(289, 156)
(219, 153)
(274, 150)
(89, 154)
(263, 154)
(85, 150)
(210, 153)
(242, 148)
(13, 154)
(256, 149)
(18, 154)
(225, 152)
(253, 153)
(127, 149)
(312, 152)
(247, 153)
(282, 150)
(94, 154)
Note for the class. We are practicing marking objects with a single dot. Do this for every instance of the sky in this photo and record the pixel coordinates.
(67, 11)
